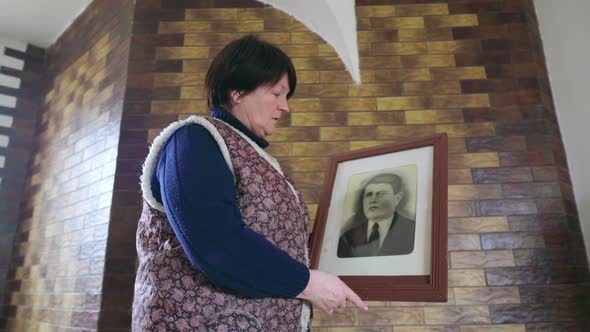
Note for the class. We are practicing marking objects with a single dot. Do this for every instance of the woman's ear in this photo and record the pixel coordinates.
(234, 95)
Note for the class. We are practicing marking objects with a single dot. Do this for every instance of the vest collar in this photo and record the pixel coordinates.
(227, 117)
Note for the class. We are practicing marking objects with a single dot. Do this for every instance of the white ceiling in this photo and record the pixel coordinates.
(37, 22)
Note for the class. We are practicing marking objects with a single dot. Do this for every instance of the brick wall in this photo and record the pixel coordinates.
(467, 68)
(20, 79)
(56, 275)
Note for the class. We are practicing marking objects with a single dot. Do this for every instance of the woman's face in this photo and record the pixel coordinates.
(261, 109)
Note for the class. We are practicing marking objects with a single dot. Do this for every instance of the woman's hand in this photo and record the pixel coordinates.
(328, 292)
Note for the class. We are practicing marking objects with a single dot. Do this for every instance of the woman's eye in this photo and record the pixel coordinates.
(276, 94)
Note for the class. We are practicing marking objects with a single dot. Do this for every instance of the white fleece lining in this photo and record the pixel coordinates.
(151, 162)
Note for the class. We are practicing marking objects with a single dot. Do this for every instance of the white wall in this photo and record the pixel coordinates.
(565, 32)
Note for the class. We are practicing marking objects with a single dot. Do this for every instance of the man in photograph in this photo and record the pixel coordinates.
(377, 227)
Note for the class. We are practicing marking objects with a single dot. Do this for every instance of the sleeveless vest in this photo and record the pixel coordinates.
(171, 295)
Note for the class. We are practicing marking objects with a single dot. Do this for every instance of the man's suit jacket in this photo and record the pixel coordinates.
(398, 241)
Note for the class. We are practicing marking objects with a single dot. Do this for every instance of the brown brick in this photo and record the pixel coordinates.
(474, 259)
(322, 90)
(459, 242)
(375, 118)
(307, 179)
(373, 90)
(179, 107)
(207, 14)
(303, 50)
(460, 101)
(324, 63)
(303, 164)
(166, 53)
(348, 104)
(306, 38)
(460, 46)
(348, 133)
(397, 132)
(184, 27)
(461, 73)
(487, 295)
(402, 75)
(179, 79)
(435, 87)
(461, 209)
(491, 144)
(502, 175)
(529, 275)
(380, 62)
(457, 145)
(530, 190)
(377, 36)
(295, 134)
(289, 24)
(433, 116)
(494, 328)
(402, 103)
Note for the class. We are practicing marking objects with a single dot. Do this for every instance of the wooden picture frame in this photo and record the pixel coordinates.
(394, 270)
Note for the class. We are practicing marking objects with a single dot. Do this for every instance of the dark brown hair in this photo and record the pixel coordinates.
(243, 65)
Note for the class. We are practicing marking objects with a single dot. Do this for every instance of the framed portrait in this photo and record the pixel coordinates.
(381, 224)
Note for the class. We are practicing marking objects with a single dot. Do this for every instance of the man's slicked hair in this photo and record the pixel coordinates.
(243, 65)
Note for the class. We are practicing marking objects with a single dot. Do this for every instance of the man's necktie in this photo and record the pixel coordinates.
(374, 233)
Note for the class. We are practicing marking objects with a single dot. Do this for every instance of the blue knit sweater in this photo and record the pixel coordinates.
(196, 187)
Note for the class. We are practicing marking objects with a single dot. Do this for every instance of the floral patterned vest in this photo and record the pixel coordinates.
(171, 295)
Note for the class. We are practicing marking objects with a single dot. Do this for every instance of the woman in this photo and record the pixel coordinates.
(222, 240)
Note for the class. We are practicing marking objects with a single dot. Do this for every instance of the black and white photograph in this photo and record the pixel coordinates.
(380, 213)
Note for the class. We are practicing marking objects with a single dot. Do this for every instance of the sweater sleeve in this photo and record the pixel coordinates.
(199, 197)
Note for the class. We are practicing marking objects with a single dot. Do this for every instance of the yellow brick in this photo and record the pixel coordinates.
(473, 160)
(308, 77)
(280, 149)
(178, 107)
(209, 39)
(322, 90)
(318, 119)
(461, 73)
(307, 179)
(422, 9)
(211, 14)
(237, 26)
(400, 48)
(461, 209)
(268, 13)
(168, 79)
(443, 60)
(457, 145)
(460, 101)
(294, 51)
(402, 103)
(304, 105)
(478, 225)
(348, 104)
(433, 116)
(432, 87)
(184, 27)
(414, 35)
(306, 38)
(312, 209)
(303, 164)
(166, 53)
(404, 75)
(313, 149)
(467, 130)
(450, 21)
(380, 23)
(287, 24)
(475, 192)
(195, 66)
(347, 133)
(192, 92)
(357, 145)
(319, 63)
(375, 11)
(290, 134)
(374, 118)
(326, 50)
(392, 132)
(458, 46)
(493, 328)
